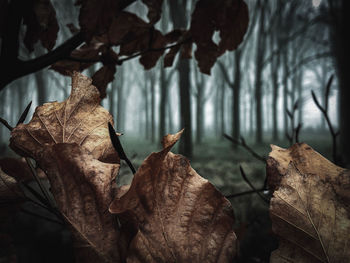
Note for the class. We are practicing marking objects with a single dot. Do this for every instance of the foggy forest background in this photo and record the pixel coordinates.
(261, 92)
(285, 54)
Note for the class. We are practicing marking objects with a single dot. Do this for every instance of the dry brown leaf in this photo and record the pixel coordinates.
(229, 17)
(310, 208)
(102, 77)
(41, 22)
(180, 216)
(82, 187)
(87, 52)
(96, 16)
(80, 119)
(154, 10)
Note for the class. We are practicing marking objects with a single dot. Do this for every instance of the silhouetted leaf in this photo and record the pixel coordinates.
(41, 22)
(96, 16)
(179, 216)
(310, 206)
(229, 17)
(102, 77)
(154, 9)
(87, 53)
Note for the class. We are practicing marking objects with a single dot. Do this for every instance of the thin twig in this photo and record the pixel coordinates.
(324, 111)
(119, 148)
(295, 130)
(120, 61)
(245, 193)
(6, 124)
(24, 114)
(245, 178)
(244, 145)
(41, 186)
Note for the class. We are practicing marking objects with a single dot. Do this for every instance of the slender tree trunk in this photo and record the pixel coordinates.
(153, 102)
(178, 12)
(199, 112)
(147, 122)
(222, 110)
(217, 113)
(163, 100)
(236, 97)
(274, 70)
(340, 47)
(285, 92)
(300, 97)
(41, 87)
(260, 49)
(170, 114)
(185, 147)
(121, 100)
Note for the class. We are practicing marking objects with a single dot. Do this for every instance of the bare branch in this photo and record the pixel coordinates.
(244, 145)
(245, 178)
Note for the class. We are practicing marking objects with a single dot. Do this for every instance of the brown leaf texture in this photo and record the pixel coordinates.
(80, 119)
(82, 187)
(180, 216)
(229, 17)
(310, 208)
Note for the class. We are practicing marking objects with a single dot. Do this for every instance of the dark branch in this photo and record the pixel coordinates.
(245, 178)
(118, 147)
(244, 145)
(245, 193)
(324, 111)
(6, 124)
(24, 114)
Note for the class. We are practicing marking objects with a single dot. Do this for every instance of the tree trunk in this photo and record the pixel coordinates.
(41, 87)
(199, 109)
(178, 12)
(222, 110)
(274, 71)
(340, 46)
(285, 92)
(260, 49)
(185, 147)
(121, 103)
(153, 102)
(163, 100)
(236, 97)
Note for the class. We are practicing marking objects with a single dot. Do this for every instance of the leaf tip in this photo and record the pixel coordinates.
(169, 140)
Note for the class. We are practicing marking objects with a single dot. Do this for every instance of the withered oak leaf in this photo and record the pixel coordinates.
(83, 189)
(154, 10)
(84, 57)
(310, 208)
(228, 17)
(40, 19)
(102, 77)
(96, 16)
(179, 216)
(80, 119)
